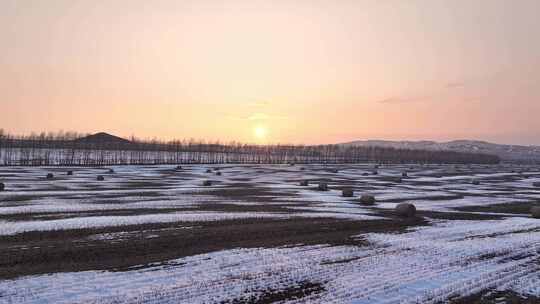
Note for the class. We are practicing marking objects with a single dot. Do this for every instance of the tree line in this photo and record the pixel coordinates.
(72, 149)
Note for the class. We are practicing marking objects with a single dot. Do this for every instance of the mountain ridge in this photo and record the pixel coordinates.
(504, 151)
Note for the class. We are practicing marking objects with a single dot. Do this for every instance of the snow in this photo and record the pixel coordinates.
(425, 265)
(12, 228)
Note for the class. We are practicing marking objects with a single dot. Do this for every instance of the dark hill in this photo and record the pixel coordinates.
(103, 138)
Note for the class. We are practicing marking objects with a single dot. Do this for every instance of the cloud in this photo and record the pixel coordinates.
(399, 100)
(472, 99)
(258, 103)
(454, 85)
(391, 100)
(263, 116)
(396, 100)
(257, 117)
(438, 94)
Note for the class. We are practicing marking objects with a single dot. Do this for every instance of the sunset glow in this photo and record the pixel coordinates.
(311, 71)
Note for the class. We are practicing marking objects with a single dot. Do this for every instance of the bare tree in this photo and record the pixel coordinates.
(71, 149)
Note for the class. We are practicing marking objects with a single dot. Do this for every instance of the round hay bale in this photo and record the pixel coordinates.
(2, 187)
(179, 168)
(207, 183)
(50, 176)
(323, 187)
(100, 178)
(208, 170)
(535, 212)
(292, 164)
(536, 184)
(405, 210)
(475, 182)
(348, 192)
(302, 168)
(218, 173)
(404, 174)
(375, 172)
(367, 199)
(70, 172)
(111, 171)
(304, 183)
(365, 174)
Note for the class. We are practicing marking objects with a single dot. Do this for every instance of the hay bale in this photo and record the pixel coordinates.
(100, 178)
(50, 176)
(536, 184)
(375, 172)
(304, 183)
(70, 172)
(207, 183)
(348, 192)
(111, 171)
(405, 210)
(404, 174)
(475, 182)
(218, 173)
(302, 168)
(535, 212)
(323, 187)
(208, 170)
(365, 174)
(292, 164)
(179, 168)
(2, 187)
(367, 199)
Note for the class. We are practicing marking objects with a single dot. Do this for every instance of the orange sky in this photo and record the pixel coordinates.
(297, 71)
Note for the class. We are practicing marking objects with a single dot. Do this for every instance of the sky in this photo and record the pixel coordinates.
(296, 71)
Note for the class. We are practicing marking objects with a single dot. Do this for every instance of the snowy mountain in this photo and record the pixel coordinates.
(505, 152)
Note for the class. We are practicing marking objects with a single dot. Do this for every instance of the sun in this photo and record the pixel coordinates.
(260, 132)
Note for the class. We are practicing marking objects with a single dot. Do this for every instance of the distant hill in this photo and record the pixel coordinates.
(103, 138)
(505, 152)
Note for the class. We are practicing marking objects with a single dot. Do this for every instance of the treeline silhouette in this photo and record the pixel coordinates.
(73, 149)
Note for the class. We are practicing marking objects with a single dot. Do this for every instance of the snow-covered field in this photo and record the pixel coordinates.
(154, 234)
